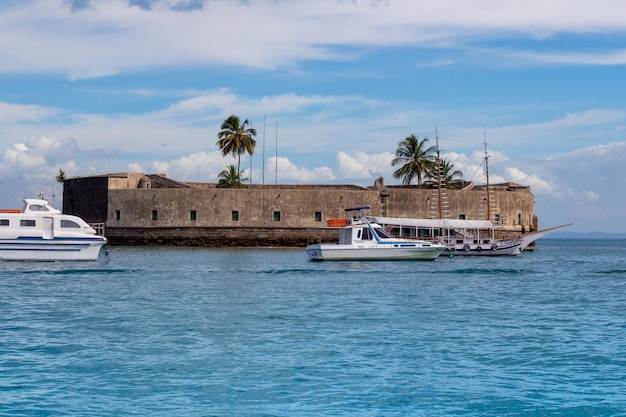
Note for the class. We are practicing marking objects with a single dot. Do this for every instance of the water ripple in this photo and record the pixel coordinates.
(260, 332)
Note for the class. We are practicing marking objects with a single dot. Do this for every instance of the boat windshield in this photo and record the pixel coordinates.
(37, 207)
(382, 233)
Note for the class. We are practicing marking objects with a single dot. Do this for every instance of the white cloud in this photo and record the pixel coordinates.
(105, 37)
(360, 165)
(591, 195)
(617, 57)
(30, 168)
(537, 184)
(18, 113)
(135, 167)
(288, 171)
(197, 166)
(19, 158)
(38, 153)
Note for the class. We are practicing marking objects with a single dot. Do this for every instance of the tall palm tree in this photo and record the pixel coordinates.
(416, 159)
(236, 139)
(451, 178)
(230, 178)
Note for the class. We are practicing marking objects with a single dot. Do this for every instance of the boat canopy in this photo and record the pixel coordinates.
(435, 223)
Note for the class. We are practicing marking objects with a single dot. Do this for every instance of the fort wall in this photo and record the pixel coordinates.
(142, 210)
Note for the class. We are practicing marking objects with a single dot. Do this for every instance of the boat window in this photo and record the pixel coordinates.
(37, 207)
(358, 235)
(27, 223)
(367, 235)
(382, 234)
(70, 224)
(4, 222)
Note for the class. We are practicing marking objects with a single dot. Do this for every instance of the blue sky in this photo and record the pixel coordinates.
(101, 86)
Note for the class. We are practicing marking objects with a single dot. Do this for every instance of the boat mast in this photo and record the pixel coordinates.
(438, 176)
(488, 202)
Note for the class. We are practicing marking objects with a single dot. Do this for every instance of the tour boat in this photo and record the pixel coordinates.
(40, 232)
(460, 237)
(361, 239)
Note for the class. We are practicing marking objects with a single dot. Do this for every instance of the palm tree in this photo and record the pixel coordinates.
(415, 158)
(236, 139)
(230, 178)
(450, 178)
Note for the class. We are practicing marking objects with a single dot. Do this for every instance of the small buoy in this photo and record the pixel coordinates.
(451, 255)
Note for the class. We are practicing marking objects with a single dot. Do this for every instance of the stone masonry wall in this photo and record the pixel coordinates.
(273, 215)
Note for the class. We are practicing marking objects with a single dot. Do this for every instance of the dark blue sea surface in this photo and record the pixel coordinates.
(265, 332)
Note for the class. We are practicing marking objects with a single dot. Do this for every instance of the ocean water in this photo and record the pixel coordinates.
(265, 332)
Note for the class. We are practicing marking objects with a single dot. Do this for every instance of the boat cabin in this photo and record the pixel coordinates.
(359, 230)
(36, 206)
(38, 218)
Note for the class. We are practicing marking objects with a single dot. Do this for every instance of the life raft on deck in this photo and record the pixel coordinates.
(337, 222)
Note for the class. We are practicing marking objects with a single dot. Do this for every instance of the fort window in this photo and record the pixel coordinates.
(118, 215)
(462, 216)
(519, 218)
(318, 216)
(192, 215)
(235, 216)
(277, 216)
(496, 218)
(154, 215)
(4, 222)
(27, 223)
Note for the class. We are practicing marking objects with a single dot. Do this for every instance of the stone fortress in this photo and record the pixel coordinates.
(140, 209)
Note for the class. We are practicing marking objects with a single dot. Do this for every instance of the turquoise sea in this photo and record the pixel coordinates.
(265, 332)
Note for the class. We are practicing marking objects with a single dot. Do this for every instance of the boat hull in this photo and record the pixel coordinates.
(57, 249)
(512, 249)
(334, 252)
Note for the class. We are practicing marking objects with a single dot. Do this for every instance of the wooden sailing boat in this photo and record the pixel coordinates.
(460, 236)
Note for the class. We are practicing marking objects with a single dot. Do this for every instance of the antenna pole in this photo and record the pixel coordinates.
(263, 150)
(276, 159)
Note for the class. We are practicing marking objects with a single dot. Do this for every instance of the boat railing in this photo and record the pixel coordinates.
(98, 227)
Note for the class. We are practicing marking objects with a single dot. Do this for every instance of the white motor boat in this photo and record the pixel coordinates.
(40, 232)
(362, 239)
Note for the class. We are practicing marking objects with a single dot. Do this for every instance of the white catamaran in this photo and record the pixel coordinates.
(40, 232)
